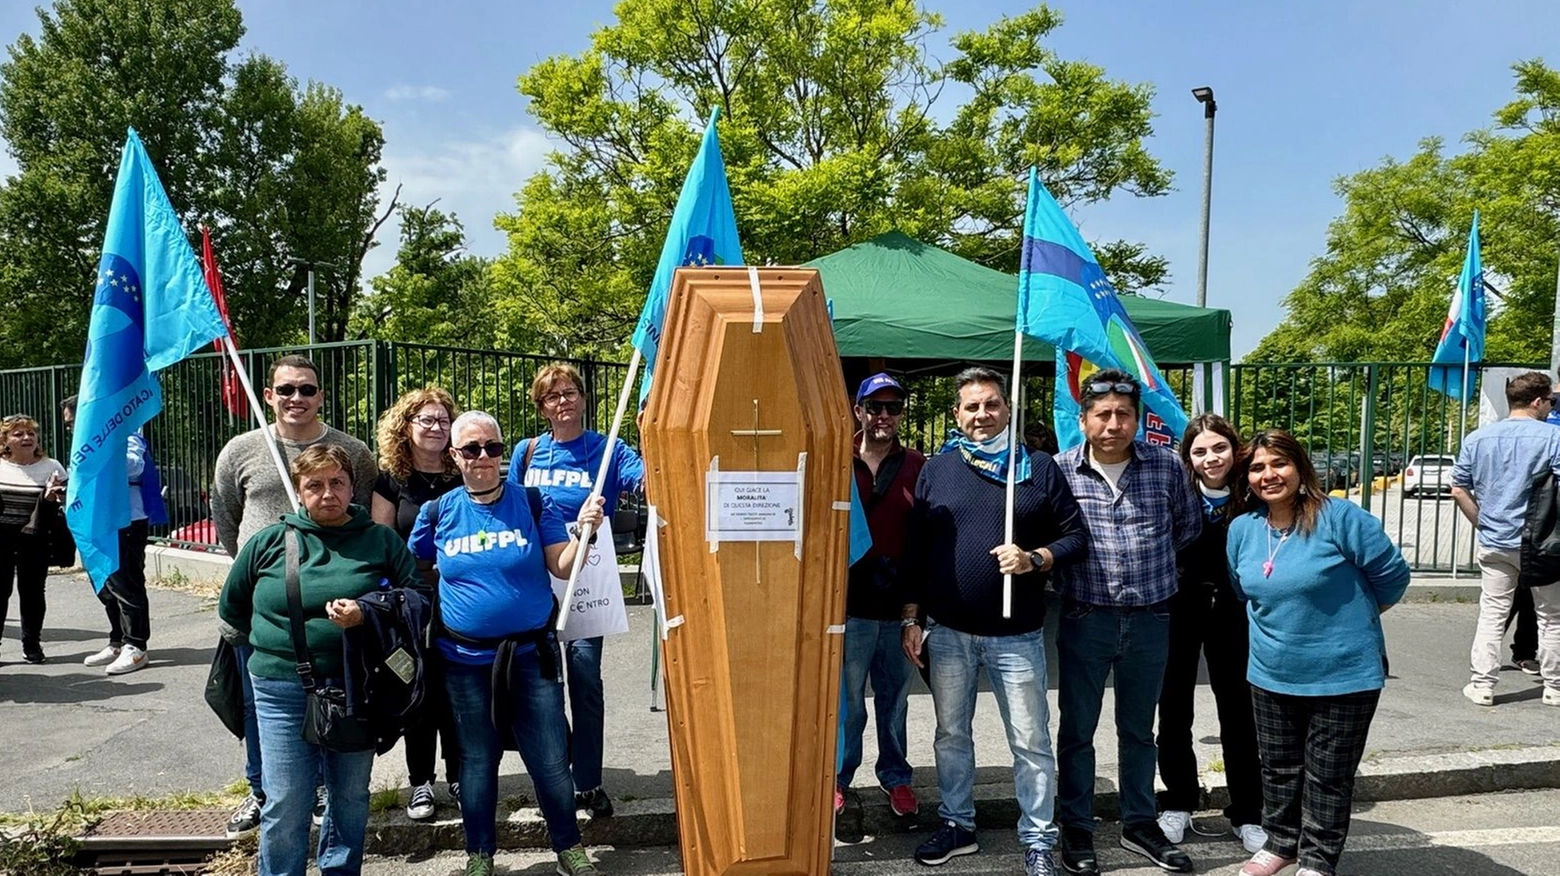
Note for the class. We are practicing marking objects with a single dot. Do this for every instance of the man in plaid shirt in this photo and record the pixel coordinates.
(1140, 507)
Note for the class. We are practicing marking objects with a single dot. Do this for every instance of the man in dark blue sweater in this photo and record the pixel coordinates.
(959, 555)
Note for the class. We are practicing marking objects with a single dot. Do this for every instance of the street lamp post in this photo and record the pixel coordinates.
(1204, 96)
(294, 260)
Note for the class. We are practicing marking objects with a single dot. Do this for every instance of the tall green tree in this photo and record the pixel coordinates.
(276, 169)
(1381, 289)
(830, 133)
(437, 292)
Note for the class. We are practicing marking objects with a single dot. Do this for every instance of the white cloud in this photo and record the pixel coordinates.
(474, 179)
(430, 93)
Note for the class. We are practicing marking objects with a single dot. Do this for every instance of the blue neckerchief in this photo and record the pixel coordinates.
(990, 458)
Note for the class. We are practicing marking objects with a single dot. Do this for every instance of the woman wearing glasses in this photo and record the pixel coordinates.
(415, 466)
(28, 479)
(1316, 573)
(494, 545)
(564, 463)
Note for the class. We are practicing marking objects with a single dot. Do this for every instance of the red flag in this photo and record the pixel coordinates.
(232, 393)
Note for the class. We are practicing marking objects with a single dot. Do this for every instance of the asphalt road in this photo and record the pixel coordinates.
(1492, 835)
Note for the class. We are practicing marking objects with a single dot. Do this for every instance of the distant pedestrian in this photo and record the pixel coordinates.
(1492, 482)
(1316, 574)
(30, 484)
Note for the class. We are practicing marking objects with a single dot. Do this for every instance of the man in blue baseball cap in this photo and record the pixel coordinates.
(886, 472)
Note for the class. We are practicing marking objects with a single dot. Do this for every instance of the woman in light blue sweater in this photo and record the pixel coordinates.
(1316, 573)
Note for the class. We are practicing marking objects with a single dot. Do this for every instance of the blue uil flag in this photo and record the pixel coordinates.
(703, 233)
(151, 309)
(1064, 298)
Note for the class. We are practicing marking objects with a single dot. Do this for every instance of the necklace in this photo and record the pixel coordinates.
(474, 494)
(1283, 536)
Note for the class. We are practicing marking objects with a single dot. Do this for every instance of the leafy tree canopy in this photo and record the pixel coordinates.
(829, 136)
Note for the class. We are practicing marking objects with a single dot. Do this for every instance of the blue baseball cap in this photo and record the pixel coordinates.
(878, 381)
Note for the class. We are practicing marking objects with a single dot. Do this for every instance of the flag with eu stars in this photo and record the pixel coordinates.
(1065, 299)
(150, 310)
(703, 233)
(1462, 337)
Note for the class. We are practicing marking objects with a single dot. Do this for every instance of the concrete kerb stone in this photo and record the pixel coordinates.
(653, 822)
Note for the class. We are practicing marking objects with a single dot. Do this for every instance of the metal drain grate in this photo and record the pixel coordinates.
(154, 843)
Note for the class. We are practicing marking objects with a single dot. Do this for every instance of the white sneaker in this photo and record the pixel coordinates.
(1173, 822)
(1252, 836)
(1479, 694)
(1551, 697)
(420, 808)
(103, 657)
(129, 660)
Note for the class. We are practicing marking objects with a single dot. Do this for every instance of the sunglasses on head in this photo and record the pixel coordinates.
(892, 408)
(1101, 387)
(494, 449)
(286, 390)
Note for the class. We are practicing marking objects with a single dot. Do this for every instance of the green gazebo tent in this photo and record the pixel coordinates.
(895, 298)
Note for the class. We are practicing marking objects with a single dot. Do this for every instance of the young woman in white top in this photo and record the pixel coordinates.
(28, 479)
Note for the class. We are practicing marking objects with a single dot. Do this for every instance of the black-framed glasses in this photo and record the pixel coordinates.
(429, 422)
(286, 390)
(1101, 387)
(892, 408)
(568, 395)
(494, 449)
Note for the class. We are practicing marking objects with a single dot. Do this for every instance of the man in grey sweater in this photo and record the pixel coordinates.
(248, 494)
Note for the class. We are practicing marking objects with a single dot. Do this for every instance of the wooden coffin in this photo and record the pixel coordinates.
(750, 382)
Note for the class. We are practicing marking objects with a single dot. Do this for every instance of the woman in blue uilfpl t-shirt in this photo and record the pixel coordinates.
(564, 464)
(494, 553)
(1316, 573)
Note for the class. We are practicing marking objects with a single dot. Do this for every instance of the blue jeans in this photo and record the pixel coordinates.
(251, 725)
(1094, 640)
(1015, 666)
(587, 712)
(291, 768)
(539, 730)
(872, 648)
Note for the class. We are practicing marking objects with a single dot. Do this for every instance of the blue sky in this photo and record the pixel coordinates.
(1307, 92)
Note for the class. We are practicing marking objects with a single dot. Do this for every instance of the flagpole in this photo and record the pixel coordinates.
(601, 475)
(1462, 436)
(1013, 437)
(254, 405)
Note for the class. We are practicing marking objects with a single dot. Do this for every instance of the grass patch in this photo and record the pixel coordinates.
(1216, 765)
(83, 810)
(382, 800)
(174, 579)
(238, 860)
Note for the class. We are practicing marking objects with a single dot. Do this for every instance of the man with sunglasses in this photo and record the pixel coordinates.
(886, 473)
(247, 495)
(1141, 508)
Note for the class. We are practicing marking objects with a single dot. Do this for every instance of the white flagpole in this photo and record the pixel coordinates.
(601, 475)
(254, 406)
(1013, 439)
(1462, 436)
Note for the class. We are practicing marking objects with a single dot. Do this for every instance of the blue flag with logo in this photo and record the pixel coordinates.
(1462, 337)
(151, 309)
(703, 233)
(1065, 299)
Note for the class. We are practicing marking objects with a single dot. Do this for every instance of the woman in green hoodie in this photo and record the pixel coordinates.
(342, 555)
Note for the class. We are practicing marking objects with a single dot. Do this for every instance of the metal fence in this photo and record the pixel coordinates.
(361, 379)
(1364, 423)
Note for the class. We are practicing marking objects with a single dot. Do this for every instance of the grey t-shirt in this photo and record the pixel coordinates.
(247, 494)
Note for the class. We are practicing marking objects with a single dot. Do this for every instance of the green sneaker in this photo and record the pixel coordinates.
(478, 864)
(572, 862)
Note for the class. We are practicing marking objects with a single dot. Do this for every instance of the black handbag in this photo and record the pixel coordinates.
(1540, 550)
(225, 688)
(327, 714)
(48, 522)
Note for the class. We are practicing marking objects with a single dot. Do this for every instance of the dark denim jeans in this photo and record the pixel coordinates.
(587, 712)
(1092, 642)
(873, 650)
(538, 729)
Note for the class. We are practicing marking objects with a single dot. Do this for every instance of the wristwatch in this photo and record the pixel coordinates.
(1038, 560)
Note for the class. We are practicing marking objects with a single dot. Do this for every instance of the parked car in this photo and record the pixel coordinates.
(1432, 474)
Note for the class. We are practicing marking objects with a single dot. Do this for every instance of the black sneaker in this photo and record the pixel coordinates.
(595, 801)
(33, 654)
(1149, 841)
(1077, 851)
(950, 841)
(455, 794)
(319, 806)
(246, 818)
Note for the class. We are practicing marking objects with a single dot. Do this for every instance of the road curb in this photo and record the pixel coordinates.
(653, 822)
